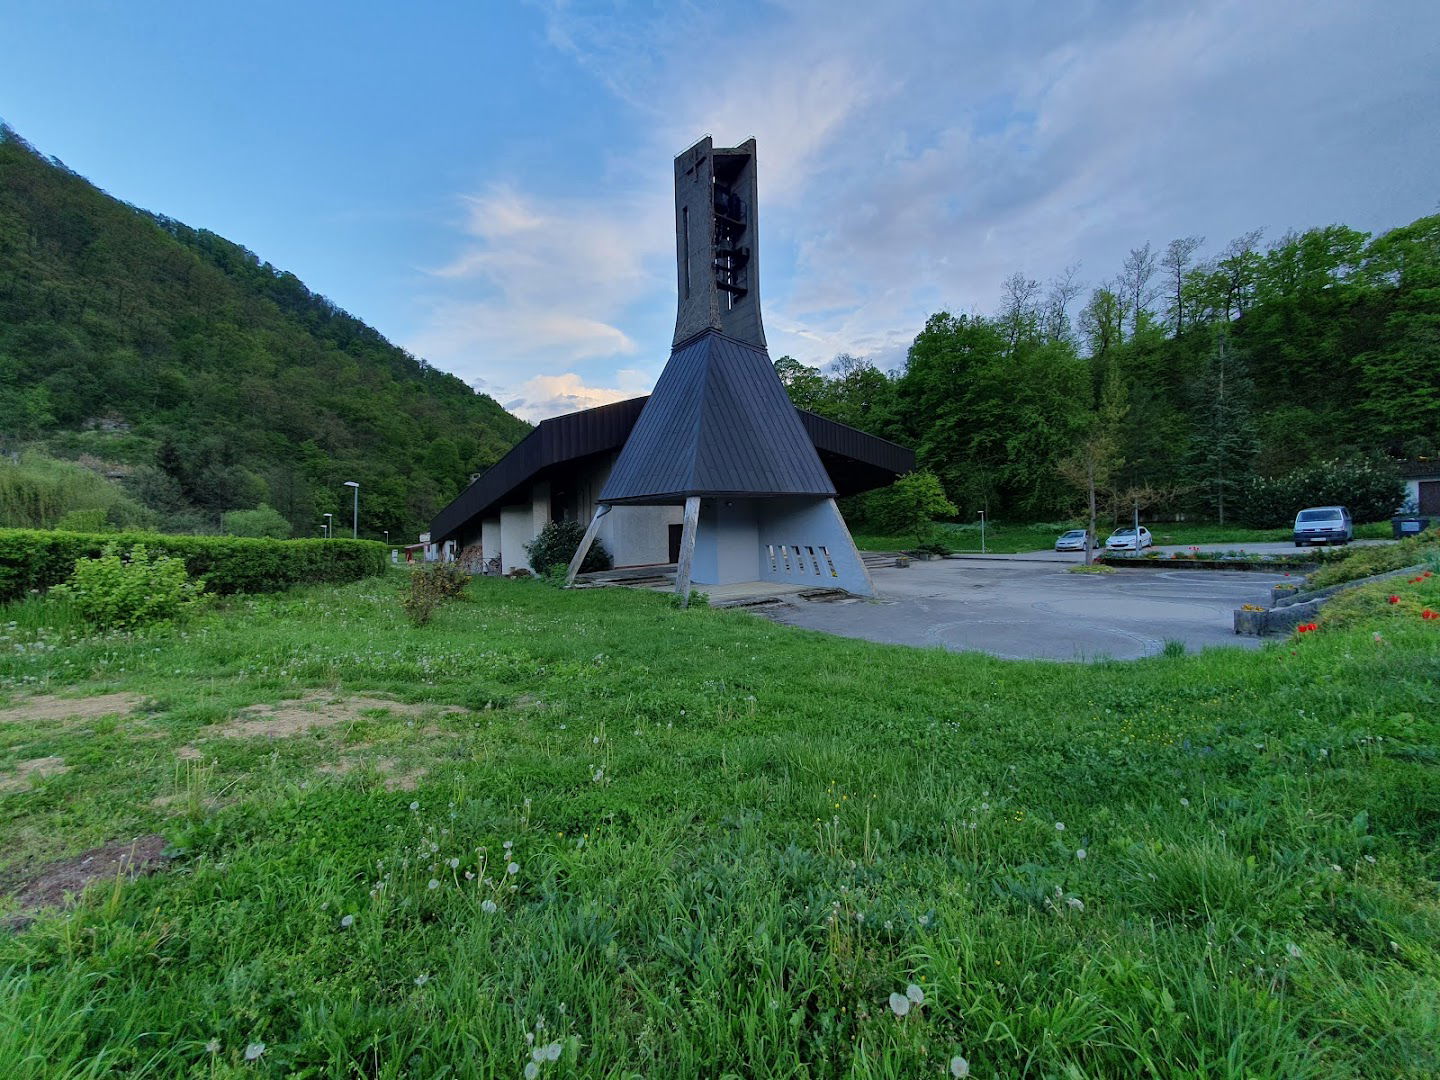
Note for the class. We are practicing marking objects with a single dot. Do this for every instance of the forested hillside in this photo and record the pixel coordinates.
(1183, 383)
(202, 380)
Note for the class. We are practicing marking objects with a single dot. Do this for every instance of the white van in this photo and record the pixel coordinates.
(1323, 525)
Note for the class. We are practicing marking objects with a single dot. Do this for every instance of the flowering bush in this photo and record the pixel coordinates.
(120, 593)
(1371, 489)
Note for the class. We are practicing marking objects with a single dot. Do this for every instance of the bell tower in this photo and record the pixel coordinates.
(717, 237)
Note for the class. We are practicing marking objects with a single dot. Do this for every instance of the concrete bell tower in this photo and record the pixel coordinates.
(719, 435)
(717, 243)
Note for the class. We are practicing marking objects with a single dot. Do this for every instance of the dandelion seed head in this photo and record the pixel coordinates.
(348, 921)
(454, 863)
(915, 994)
(433, 884)
(899, 1004)
(1059, 826)
(1080, 854)
(1293, 950)
(254, 1050)
(1074, 902)
(414, 806)
(421, 979)
(959, 1067)
(213, 1046)
(532, 1070)
(553, 1051)
(512, 868)
(488, 907)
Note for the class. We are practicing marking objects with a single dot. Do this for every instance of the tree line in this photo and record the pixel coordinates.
(1184, 384)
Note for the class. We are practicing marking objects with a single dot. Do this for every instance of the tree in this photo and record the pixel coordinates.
(1176, 261)
(1019, 312)
(1136, 289)
(805, 385)
(911, 505)
(1225, 436)
(1097, 450)
(1060, 293)
(1102, 322)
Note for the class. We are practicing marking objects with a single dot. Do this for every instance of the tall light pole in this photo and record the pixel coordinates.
(387, 537)
(329, 526)
(355, 518)
(982, 532)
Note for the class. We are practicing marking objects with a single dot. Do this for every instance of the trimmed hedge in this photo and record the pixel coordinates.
(35, 559)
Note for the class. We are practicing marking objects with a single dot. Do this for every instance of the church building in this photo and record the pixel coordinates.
(716, 471)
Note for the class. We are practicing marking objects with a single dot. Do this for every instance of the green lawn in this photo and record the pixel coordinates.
(1003, 538)
(732, 843)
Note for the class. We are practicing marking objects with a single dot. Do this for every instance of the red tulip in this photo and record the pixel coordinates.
(1393, 599)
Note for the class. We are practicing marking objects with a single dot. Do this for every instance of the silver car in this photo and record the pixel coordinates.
(1323, 525)
(1074, 540)
(1124, 540)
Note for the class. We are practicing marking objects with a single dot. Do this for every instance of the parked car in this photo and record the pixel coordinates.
(1124, 540)
(1074, 540)
(1323, 525)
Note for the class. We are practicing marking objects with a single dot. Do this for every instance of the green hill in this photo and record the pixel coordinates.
(201, 379)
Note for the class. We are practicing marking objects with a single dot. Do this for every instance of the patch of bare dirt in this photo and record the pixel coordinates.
(316, 710)
(189, 753)
(50, 707)
(20, 777)
(396, 778)
(60, 882)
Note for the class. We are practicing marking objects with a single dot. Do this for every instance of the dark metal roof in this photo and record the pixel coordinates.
(718, 423)
(561, 439)
(854, 460)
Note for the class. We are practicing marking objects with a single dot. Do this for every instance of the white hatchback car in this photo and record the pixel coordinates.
(1124, 540)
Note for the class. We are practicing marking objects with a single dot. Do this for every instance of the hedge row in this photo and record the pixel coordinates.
(34, 559)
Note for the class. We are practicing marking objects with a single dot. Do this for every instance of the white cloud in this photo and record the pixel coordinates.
(913, 154)
(545, 396)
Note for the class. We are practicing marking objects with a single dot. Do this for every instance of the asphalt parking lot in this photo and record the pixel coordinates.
(1030, 607)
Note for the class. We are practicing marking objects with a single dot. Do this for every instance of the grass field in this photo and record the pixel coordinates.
(670, 844)
(1008, 539)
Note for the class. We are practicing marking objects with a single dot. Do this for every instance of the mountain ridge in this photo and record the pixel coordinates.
(203, 378)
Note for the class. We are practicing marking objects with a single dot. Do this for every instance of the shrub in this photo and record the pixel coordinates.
(115, 593)
(264, 521)
(1356, 563)
(83, 521)
(556, 544)
(430, 586)
(37, 491)
(910, 505)
(33, 560)
(1371, 489)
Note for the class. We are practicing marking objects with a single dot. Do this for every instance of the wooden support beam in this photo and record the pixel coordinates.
(687, 550)
(584, 548)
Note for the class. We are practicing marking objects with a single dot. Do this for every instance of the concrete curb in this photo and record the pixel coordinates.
(1301, 607)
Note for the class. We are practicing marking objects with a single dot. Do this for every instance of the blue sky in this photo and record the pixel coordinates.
(489, 183)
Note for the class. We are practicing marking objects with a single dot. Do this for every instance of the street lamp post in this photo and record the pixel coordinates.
(387, 537)
(329, 526)
(982, 532)
(355, 518)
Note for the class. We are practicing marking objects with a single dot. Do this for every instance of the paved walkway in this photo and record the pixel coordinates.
(1028, 607)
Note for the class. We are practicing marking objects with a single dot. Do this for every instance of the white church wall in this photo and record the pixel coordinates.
(727, 542)
(490, 537)
(517, 528)
(639, 535)
(805, 541)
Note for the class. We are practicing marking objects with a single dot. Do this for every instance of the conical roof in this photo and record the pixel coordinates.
(718, 423)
